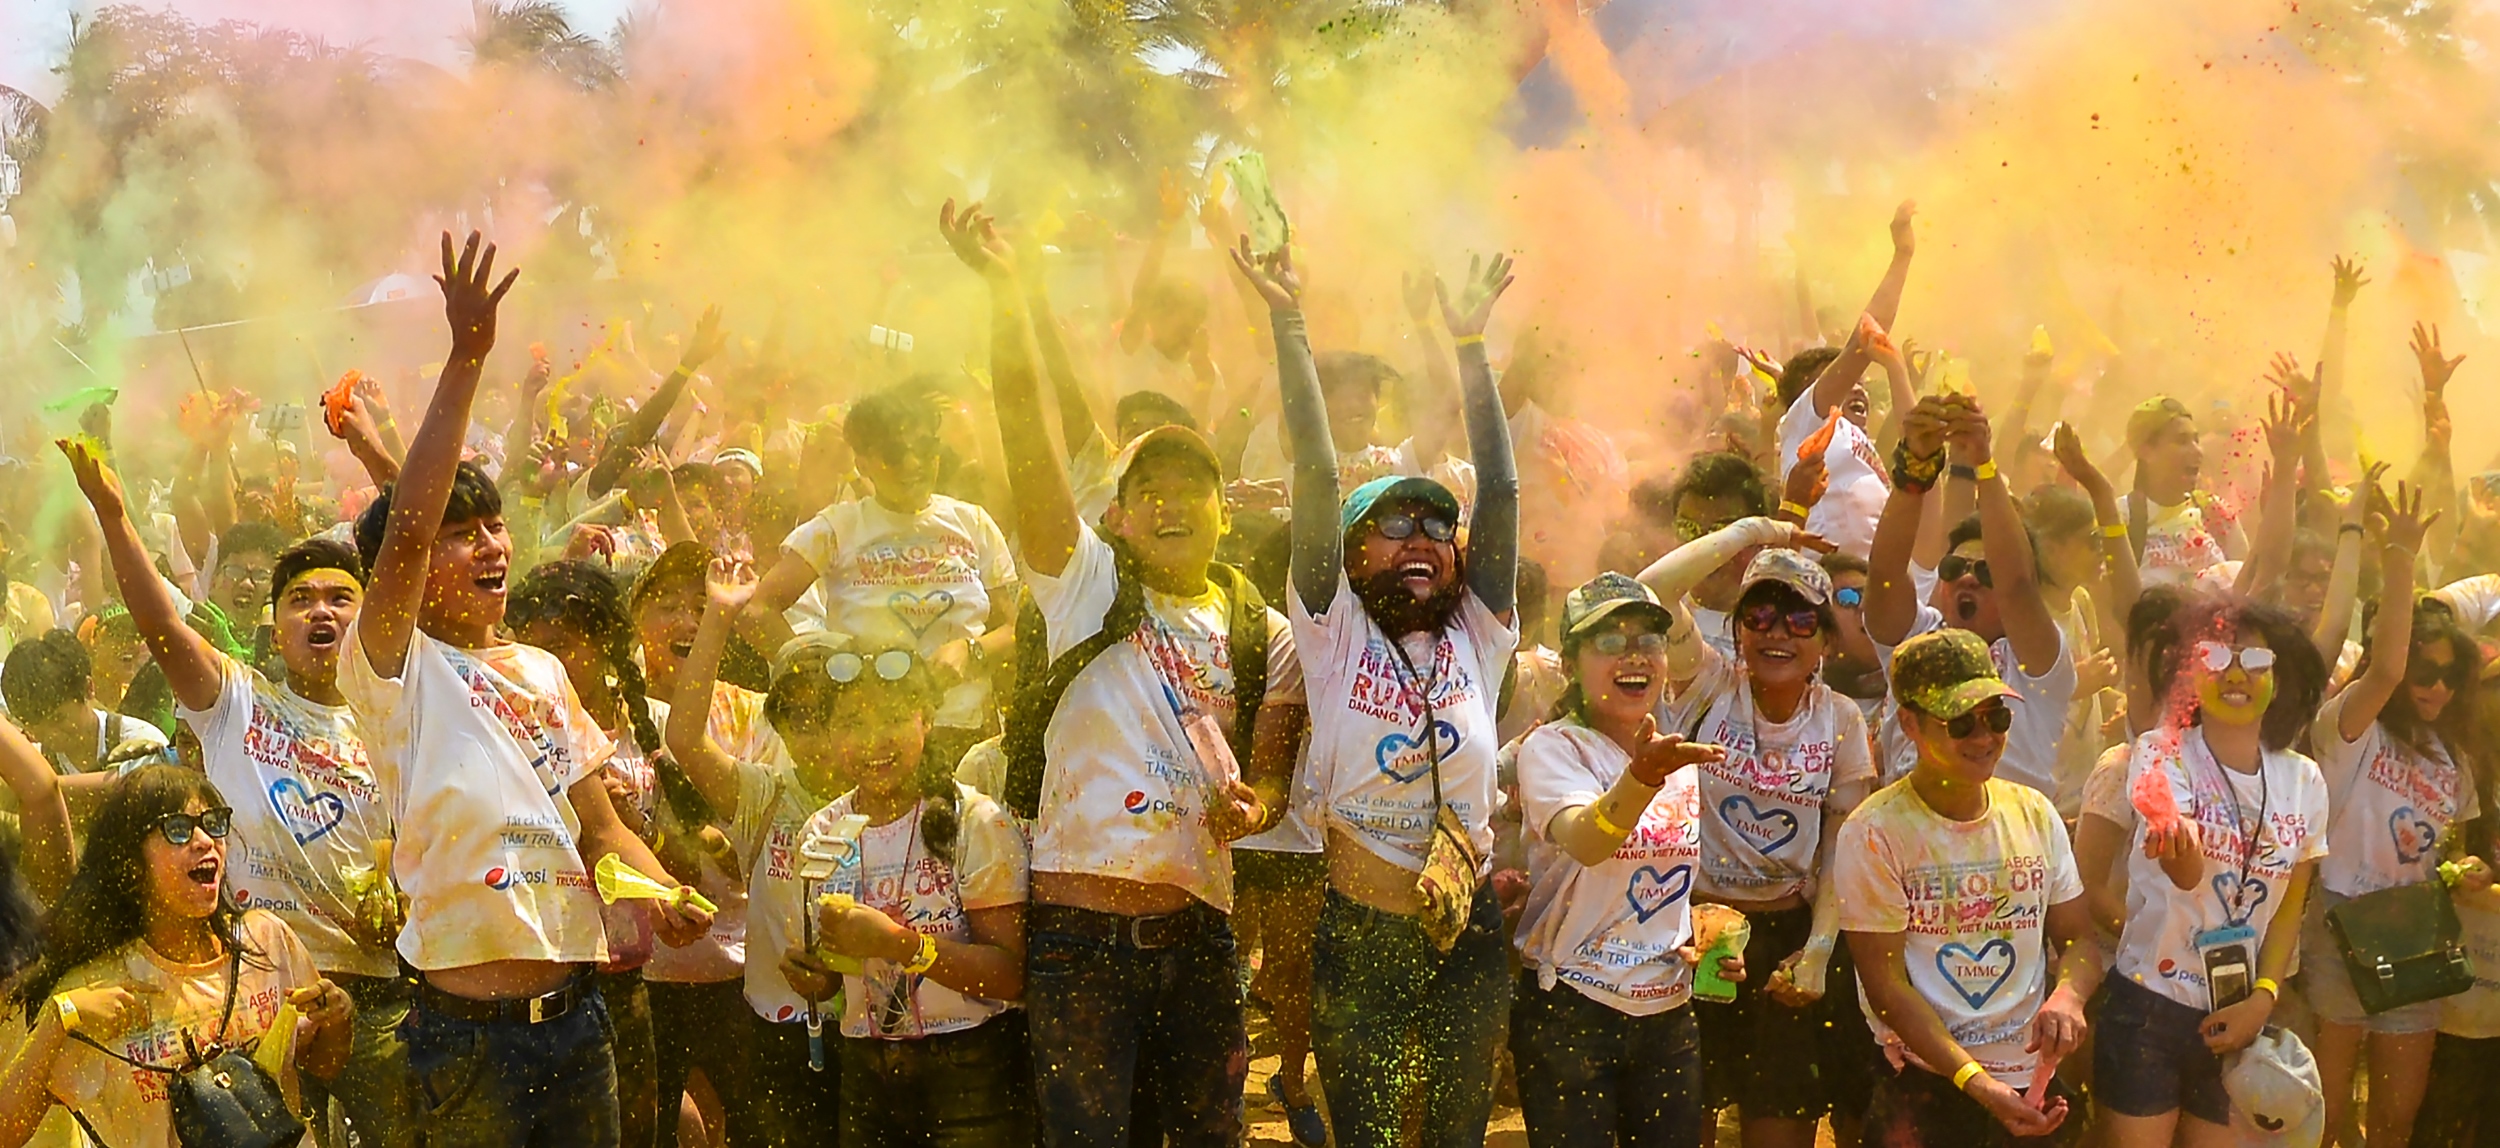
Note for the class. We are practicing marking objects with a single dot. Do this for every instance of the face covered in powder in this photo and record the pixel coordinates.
(2234, 679)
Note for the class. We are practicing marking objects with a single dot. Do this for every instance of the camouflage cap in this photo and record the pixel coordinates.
(1946, 673)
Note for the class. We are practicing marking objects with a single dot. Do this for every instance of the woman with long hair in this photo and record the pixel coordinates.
(147, 960)
(2232, 823)
(2396, 748)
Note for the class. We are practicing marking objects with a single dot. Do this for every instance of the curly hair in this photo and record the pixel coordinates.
(2300, 674)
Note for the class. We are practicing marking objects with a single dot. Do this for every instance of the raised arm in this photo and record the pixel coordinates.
(43, 814)
(1433, 413)
(2126, 582)
(1885, 305)
(1318, 540)
(689, 733)
(1078, 424)
(2343, 582)
(2391, 632)
(2436, 472)
(2331, 360)
(1918, 463)
(2278, 514)
(389, 615)
(1493, 535)
(1037, 472)
(2028, 623)
(1676, 572)
(191, 666)
(639, 431)
(2016, 425)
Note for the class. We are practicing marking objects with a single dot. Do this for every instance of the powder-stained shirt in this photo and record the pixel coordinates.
(1609, 930)
(909, 581)
(2390, 801)
(1763, 805)
(902, 878)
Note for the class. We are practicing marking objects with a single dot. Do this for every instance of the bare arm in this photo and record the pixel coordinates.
(43, 814)
(2391, 633)
(1275, 747)
(1037, 472)
(2343, 583)
(25, 1090)
(2126, 582)
(689, 733)
(639, 431)
(1891, 594)
(761, 620)
(2028, 623)
(191, 668)
(389, 614)
(1078, 424)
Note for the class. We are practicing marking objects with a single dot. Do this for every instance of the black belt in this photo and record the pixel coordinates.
(518, 1010)
(1161, 931)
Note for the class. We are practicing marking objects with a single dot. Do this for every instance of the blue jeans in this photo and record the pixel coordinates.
(372, 1090)
(1108, 1017)
(506, 1084)
(1594, 1077)
(1398, 1024)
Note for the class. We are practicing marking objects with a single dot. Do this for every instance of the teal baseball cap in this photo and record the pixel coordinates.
(1394, 490)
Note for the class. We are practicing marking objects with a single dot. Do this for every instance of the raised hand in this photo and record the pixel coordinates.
(1919, 360)
(1923, 429)
(1657, 756)
(1904, 236)
(2406, 525)
(729, 584)
(1808, 480)
(2068, 447)
(973, 235)
(2436, 368)
(706, 341)
(1272, 276)
(1418, 290)
(2348, 280)
(1878, 345)
(2286, 424)
(1486, 280)
(468, 302)
(1966, 430)
(2285, 373)
(95, 479)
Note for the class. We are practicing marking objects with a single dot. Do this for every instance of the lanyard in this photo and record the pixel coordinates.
(893, 1002)
(2248, 841)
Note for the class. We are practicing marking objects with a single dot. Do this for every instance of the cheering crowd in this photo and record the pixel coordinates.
(973, 765)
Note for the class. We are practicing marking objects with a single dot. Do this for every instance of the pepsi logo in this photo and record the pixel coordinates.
(1135, 802)
(785, 1012)
(499, 878)
(242, 899)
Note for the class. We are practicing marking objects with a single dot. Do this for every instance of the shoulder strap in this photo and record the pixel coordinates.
(98, 1141)
(1249, 639)
(1037, 697)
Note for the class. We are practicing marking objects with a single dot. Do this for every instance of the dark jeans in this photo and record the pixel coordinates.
(793, 1105)
(372, 1091)
(698, 1026)
(1916, 1108)
(1593, 1077)
(2463, 1071)
(969, 1089)
(1106, 1015)
(506, 1084)
(1399, 1025)
(637, 1059)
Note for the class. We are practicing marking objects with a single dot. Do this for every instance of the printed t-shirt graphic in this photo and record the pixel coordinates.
(1368, 747)
(2158, 948)
(902, 879)
(911, 581)
(768, 833)
(474, 750)
(1609, 930)
(1762, 806)
(2180, 541)
(1971, 899)
(1854, 498)
(306, 807)
(2391, 805)
(1122, 791)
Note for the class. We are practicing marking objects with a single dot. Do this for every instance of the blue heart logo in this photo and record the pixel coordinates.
(1978, 973)
(1764, 829)
(1652, 891)
(2415, 837)
(307, 815)
(920, 611)
(1399, 749)
(2253, 892)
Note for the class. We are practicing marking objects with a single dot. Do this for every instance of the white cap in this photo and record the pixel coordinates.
(2275, 1095)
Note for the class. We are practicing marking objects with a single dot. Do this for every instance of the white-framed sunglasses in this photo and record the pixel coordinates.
(845, 667)
(2218, 656)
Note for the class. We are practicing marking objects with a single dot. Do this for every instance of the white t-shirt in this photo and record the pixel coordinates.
(1763, 804)
(1971, 899)
(916, 581)
(1123, 793)
(306, 807)
(1370, 759)
(133, 740)
(1714, 628)
(737, 725)
(2179, 542)
(773, 811)
(130, 1107)
(901, 878)
(1855, 495)
(2158, 948)
(2475, 601)
(2031, 746)
(474, 750)
(1609, 930)
(2391, 804)
(2475, 1013)
(1299, 831)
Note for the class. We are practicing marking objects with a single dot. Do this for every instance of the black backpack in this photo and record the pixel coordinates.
(1041, 681)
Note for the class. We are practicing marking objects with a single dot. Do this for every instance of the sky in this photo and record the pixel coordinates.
(34, 33)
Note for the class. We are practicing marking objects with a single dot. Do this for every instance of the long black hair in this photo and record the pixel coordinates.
(804, 699)
(2458, 728)
(2299, 672)
(105, 907)
(583, 597)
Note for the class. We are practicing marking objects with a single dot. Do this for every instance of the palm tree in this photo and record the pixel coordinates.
(536, 34)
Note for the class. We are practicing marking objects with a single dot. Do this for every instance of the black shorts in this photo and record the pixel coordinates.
(1760, 1055)
(1260, 871)
(1915, 1108)
(2149, 1057)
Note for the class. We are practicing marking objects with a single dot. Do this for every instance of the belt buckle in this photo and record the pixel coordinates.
(538, 1008)
(1137, 933)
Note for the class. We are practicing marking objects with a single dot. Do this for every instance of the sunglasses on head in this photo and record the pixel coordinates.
(1804, 623)
(177, 827)
(1400, 526)
(1851, 597)
(2424, 672)
(890, 666)
(1613, 643)
(1996, 717)
(2218, 656)
(1955, 566)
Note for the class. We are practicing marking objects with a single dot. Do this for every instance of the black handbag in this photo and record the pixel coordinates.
(2402, 946)
(221, 1097)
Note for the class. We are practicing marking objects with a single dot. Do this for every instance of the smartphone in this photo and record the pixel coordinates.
(2227, 975)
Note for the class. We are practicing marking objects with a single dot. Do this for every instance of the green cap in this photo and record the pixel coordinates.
(1393, 489)
(1946, 673)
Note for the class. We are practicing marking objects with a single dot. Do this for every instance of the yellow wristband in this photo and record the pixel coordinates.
(69, 1012)
(1985, 471)
(2114, 530)
(1797, 509)
(1470, 340)
(928, 956)
(2267, 986)
(1962, 1076)
(1597, 813)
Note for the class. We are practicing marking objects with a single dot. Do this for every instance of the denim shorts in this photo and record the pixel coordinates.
(2327, 984)
(2149, 1059)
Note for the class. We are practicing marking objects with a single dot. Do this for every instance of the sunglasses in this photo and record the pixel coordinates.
(1955, 566)
(1996, 717)
(2218, 657)
(1399, 527)
(2428, 673)
(1801, 623)
(1689, 530)
(904, 450)
(890, 666)
(178, 827)
(1613, 643)
(1849, 596)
